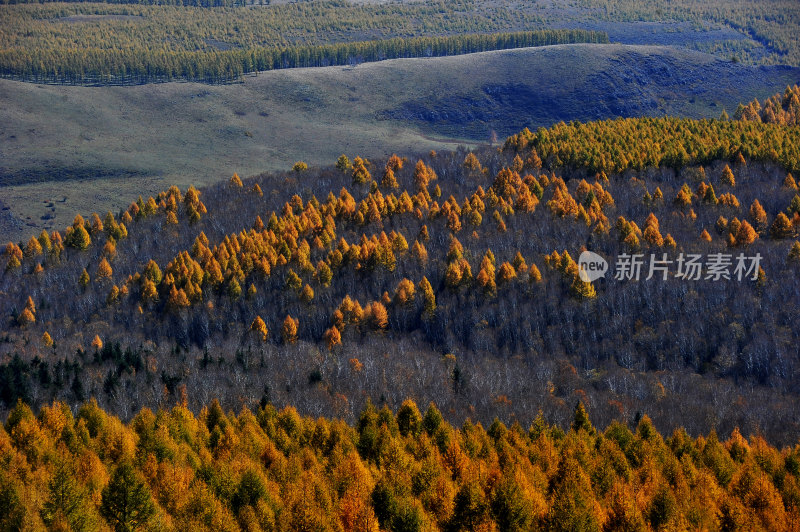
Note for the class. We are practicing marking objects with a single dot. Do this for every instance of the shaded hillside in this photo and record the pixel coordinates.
(451, 278)
(145, 139)
(590, 83)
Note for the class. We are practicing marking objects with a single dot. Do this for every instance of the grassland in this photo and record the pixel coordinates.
(107, 145)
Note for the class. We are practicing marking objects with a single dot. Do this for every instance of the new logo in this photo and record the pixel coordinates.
(591, 266)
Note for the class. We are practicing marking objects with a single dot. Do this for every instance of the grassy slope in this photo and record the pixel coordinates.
(142, 139)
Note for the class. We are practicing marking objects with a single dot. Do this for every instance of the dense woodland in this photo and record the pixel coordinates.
(401, 471)
(134, 66)
(121, 43)
(448, 277)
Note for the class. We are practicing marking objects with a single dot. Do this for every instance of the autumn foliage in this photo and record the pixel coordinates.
(409, 470)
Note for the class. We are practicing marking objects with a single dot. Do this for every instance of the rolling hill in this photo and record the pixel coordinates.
(113, 143)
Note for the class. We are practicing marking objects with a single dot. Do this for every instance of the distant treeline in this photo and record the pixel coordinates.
(187, 3)
(132, 66)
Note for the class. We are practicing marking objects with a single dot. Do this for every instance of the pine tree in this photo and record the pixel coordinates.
(66, 504)
(580, 419)
(126, 502)
(794, 206)
(234, 289)
(77, 235)
(84, 279)
(794, 253)
(409, 419)
(343, 163)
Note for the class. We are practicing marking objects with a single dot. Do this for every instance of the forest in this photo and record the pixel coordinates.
(135, 66)
(137, 42)
(403, 470)
(446, 277)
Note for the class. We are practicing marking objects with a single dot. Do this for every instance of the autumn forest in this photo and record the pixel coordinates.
(581, 327)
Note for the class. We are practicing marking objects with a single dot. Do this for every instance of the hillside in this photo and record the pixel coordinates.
(134, 40)
(112, 143)
(451, 278)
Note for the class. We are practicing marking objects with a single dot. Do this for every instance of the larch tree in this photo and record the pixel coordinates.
(727, 177)
(32, 248)
(307, 294)
(360, 173)
(26, 317)
(389, 181)
(582, 289)
(471, 163)
(289, 329)
(47, 340)
(782, 227)
(745, 235)
(104, 270)
(378, 317)
(332, 337)
(422, 176)
(758, 216)
(259, 328)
